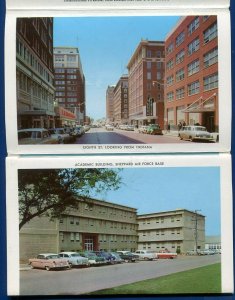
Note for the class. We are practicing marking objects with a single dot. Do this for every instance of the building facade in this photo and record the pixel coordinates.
(109, 103)
(177, 231)
(64, 117)
(94, 225)
(34, 72)
(191, 91)
(120, 101)
(146, 83)
(213, 243)
(70, 81)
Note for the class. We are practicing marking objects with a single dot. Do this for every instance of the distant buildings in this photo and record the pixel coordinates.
(191, 79)
(213, 243)
(109, 104)
(34, 72)
(70, 81)
(146, 83)
(120, 101)
(179, 231)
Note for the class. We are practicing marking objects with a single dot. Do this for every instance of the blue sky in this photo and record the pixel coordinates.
(161, 189)
(106, 44)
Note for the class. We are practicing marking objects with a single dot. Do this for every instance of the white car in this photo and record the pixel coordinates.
(32, 136)
(145, 254)
(61, 135)
(109, 127)
(75, 259)
(195, 133)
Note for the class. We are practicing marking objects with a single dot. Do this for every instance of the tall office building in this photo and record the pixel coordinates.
(34, 72)
(70, 81)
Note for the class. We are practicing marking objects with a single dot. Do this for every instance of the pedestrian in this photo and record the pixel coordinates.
(168, 127)
(179, 126)
(184, 124)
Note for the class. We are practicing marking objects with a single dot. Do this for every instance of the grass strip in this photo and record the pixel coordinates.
(206, 280)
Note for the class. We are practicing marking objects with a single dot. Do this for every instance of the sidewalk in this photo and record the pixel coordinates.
(171, 132)
(25, 267)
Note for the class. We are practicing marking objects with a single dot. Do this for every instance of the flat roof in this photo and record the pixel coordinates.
(170, 212)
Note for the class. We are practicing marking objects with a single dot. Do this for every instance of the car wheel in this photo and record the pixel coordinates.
(191, 139)
(70, 266)
(47, 268)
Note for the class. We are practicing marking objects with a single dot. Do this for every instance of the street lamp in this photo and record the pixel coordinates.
(196, 227)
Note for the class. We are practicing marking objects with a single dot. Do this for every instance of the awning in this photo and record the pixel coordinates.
(200, 105)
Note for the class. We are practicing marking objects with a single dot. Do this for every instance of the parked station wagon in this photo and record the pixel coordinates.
(195, 133)
(49, 261)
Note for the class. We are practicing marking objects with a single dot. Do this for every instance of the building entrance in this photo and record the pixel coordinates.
(90, 242)
(208, 120)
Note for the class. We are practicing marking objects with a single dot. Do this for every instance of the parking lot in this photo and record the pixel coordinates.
(85, 280)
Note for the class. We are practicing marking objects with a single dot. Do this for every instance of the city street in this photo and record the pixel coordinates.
(82, 281)
(102, 136)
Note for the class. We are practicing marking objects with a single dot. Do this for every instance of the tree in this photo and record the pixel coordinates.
(52, 191)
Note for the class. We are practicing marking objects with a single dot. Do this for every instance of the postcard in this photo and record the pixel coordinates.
(142, 224)
(83, 81)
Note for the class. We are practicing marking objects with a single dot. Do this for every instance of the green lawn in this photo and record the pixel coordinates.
(200, 280)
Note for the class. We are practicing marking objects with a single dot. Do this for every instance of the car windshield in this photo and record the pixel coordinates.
(52, 256)
(200, 128)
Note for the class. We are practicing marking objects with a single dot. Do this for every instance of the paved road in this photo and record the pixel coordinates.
(102, 136)
(82, 281)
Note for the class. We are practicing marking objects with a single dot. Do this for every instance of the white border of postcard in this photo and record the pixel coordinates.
(164, 161)
(224, 45)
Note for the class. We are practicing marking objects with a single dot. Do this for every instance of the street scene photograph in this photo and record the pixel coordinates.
(117, 80)
(120, 231)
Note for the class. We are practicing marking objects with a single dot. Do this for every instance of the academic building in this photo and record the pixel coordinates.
(146, 84)
(34, 72)
(70, 81)
(94, 225)
(120, 101)
(191, 73)
(177, 231)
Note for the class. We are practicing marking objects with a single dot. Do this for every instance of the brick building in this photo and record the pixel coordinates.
(34, 72)
(179, 230)
(146, 83)
(191, 73)
(70, 81)
(120, 101)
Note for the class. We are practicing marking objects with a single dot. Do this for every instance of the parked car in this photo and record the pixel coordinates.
(143, 129)
(86, 128)
(32, 136)
(130, 127)
(117, 258)
(128, 256)
(93, 258)
(78, 131)
(206, 252)
(106, 255)
(154, 129)
(195, 133)
(49, 261)
(75, 259)
(61, 135)
(191, 252)
(109, 127)
(144, 255)
(166, 254)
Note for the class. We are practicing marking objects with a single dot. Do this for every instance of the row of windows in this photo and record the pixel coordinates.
(103, 238)
(209, 59)
(210, 82)
(209, 34)
(161, 232)
(161, 220)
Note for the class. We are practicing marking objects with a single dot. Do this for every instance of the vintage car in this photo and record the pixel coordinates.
(154, 129)
(94, 260)
(128, 256)
(143, 129)
(49, 261)
(75, 259)
(109, 127)
(31, 136)
(145, 255)
(117, 258)
(195, 133)
(166, 254)
(61, 135)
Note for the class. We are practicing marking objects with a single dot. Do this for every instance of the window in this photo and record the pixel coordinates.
(72, 237)
(193, 67)
(149, 53)
(180, 75)
(170, 97)
(193, 46)
(149, 65)
(170, 48)
(159, 75)
(180, 38)
(193, 88)
(179, 57)
(193, 25)
(170, 80)
(210, 33)
(72, 220)
(159, 65)
(210, 82)
(180, 93)
(72, 76)
(149, 75)
(169, 64)
(71, 57)
(211, 57)
(77, 236)
(159, 53)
